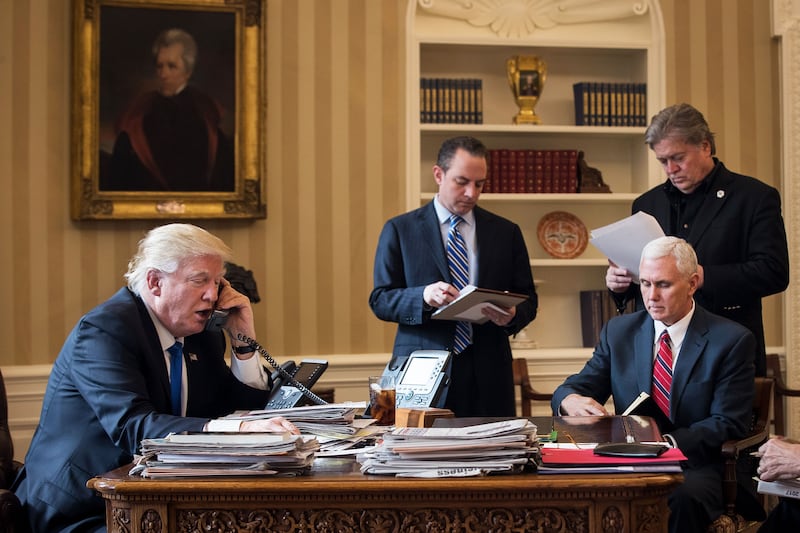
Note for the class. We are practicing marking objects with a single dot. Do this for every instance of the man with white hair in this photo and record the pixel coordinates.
(696, 366)
(140, 366)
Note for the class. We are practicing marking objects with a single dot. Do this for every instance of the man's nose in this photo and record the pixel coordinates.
(672, 167)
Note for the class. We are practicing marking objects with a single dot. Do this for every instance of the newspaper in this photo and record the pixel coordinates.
(506, 446)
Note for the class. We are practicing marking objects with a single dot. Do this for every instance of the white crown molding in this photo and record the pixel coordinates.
(521, 18)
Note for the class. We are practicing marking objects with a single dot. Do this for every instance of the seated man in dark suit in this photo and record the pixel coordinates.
(111, 385)
(702, 389)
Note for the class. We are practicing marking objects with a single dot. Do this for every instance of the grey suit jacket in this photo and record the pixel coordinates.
(107, 391)
(712, 384)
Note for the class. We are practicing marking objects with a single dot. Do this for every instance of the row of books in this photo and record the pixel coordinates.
(451, 100)
(610, 104)
(597, 308)
(532, 171)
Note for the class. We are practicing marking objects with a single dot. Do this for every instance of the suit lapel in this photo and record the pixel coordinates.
(154, 353)
(430, 235)
(485, 241)
(714, 201)
(693, 345)
(643, 356)
(661, 210)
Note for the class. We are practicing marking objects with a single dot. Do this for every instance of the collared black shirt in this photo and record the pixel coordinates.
(684, 207)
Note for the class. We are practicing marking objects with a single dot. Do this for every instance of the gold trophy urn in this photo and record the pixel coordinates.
(526, 75)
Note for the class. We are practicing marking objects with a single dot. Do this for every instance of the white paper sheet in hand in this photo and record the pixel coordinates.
(622, 241)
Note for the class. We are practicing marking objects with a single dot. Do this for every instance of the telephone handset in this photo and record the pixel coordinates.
(216, 321)
(291, 383)
(218, 317)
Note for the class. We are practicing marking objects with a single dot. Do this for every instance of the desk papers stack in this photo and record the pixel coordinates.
(334, 425)
(225, 454)
(506, 447)
(327, 419)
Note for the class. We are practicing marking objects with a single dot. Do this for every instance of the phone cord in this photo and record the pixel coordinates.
(307, 393)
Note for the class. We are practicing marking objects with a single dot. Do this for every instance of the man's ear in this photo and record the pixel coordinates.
(154, 279)
(438, 174)
(694, 283)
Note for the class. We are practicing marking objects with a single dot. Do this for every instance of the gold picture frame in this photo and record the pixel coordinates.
(167, 126)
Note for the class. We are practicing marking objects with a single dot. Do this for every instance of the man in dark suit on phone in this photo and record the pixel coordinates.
(413, 278)
(733, 222)
(141, 366)
(703, 398)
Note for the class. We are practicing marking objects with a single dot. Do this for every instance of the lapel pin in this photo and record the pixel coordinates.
(720, 193)
(192, 357)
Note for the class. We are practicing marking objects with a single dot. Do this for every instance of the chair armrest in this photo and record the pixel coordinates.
(730, 452)
(732, 448)
(11, 519)
(784, 391)
(529, 393)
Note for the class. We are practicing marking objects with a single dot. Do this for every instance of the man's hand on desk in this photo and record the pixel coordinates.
(577, 405)
(277, 424)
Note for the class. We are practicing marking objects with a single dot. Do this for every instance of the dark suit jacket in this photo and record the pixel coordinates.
(411, 255)
(740, 241)
(712, 384)
(107, 391)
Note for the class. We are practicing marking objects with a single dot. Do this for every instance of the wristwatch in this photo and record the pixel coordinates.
(241, 350)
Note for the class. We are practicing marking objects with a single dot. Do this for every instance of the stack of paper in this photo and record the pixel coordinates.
(327, 419)
(334, 425)
(225, 454)
(506, 446)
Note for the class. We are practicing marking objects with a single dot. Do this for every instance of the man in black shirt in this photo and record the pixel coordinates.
(734, 223)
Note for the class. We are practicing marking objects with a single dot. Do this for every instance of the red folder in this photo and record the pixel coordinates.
(586, 457)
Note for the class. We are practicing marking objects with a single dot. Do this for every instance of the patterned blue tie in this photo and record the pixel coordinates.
(175, 375)
(458, 262)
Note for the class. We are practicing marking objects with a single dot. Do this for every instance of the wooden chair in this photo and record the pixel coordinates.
(781, 390)
(732, 521)
(11, 517)
(523, 381)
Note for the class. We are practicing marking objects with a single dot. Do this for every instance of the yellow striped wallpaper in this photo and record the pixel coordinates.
(335, 164)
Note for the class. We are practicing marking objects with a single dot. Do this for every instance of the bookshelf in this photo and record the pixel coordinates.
(616, 41)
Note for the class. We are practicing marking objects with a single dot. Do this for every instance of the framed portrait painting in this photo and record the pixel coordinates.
(168, 109)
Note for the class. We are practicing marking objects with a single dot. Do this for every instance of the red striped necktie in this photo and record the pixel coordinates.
(662, 373)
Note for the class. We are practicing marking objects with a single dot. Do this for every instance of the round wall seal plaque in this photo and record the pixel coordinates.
(562, 235)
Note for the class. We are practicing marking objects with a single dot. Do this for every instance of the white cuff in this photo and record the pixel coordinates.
(223, 426)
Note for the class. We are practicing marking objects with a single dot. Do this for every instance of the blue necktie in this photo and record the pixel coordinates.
(175, 375)
(458, 262)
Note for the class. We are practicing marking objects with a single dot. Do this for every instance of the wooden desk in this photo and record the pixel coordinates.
(337, 497)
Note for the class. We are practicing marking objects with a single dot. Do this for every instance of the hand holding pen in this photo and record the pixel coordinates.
(780, 459)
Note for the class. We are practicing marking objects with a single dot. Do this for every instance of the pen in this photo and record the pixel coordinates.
(635, 403)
